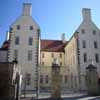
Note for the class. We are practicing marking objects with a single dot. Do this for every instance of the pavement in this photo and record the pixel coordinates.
(71, 96)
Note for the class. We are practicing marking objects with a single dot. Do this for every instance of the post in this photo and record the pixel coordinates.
(56, 82)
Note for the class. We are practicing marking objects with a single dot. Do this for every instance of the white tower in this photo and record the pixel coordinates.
(24, 46)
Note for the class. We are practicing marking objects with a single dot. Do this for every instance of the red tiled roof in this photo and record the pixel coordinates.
(52, 45)
(46, 45)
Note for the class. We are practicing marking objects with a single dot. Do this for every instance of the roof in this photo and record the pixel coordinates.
(46, 45)
(52, 45)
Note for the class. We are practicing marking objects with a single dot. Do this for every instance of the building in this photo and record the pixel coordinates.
(24, 36)
(51, 50)
(73, 56)
(86, 49)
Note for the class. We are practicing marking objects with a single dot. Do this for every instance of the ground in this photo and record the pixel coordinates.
(73, 96)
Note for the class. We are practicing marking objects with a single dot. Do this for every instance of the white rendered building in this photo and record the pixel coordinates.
(24, 46)
(88, 46)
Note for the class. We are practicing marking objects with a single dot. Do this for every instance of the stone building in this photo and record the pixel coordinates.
(73, 56)
(51, 50)
(24, 46)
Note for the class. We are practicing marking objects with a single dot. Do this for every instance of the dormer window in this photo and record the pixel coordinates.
(31, 27)
(18, 27)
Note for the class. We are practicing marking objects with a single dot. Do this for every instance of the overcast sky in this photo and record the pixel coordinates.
(53, 16)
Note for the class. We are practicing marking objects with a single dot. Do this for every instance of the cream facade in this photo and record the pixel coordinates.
(71, 63)
(89, 48)
(47, 59)
(24, 43)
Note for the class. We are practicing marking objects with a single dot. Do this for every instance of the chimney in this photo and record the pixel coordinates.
(63, 38)
(27, 9)
(86, 14)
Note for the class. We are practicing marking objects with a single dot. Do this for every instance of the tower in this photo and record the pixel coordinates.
(24, 46)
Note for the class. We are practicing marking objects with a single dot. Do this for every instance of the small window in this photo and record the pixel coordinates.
(83, 31)
(85, 57)
(42, 63)
(46, 79)
(41, 78)
(96, 58)
(16, 54)
(30, 41)
(28, 79)
(31, 27)
(17, 40)
(11, 29)
(60, 63)
(42, 55)
(95, 44)
(30, 55)
(60, 55)
(94, 32)
(52, 55)
(18, 27)
(65, 77)
(84, 44)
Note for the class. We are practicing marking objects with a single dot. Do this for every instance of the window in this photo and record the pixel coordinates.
(30, 41)
(84, 43)
(60, 55)
(30, 55)
(83, 31)
(85, 57)
(17, 40)
(15, 54)
(42, 63)
(11, 29)
(46, 79)
(28, 79)
(18, 27)
(31, 27)
(94, 32)
(41, 78)
(42, 55)
(52, 55)
(96, 58)
(95, 44)
(60, 63)
(65, 78)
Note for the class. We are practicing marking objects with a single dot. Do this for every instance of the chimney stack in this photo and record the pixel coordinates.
(27, 9)
(63, 38)
(86, 14)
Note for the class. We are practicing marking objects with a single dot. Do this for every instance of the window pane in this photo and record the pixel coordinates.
(28, 79)
(96, 57)
(94, 32)
(95, 44)
(18, 27)
(16, 40)
(30, 55)
(41, 78)
(60, 55)
(85, 57)
(65, 78)
(84, 44)
(83, 31)
(15, 54)
(46, 79)
(52, 55)
(42, 55)
(30, 41)
(31, 27)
